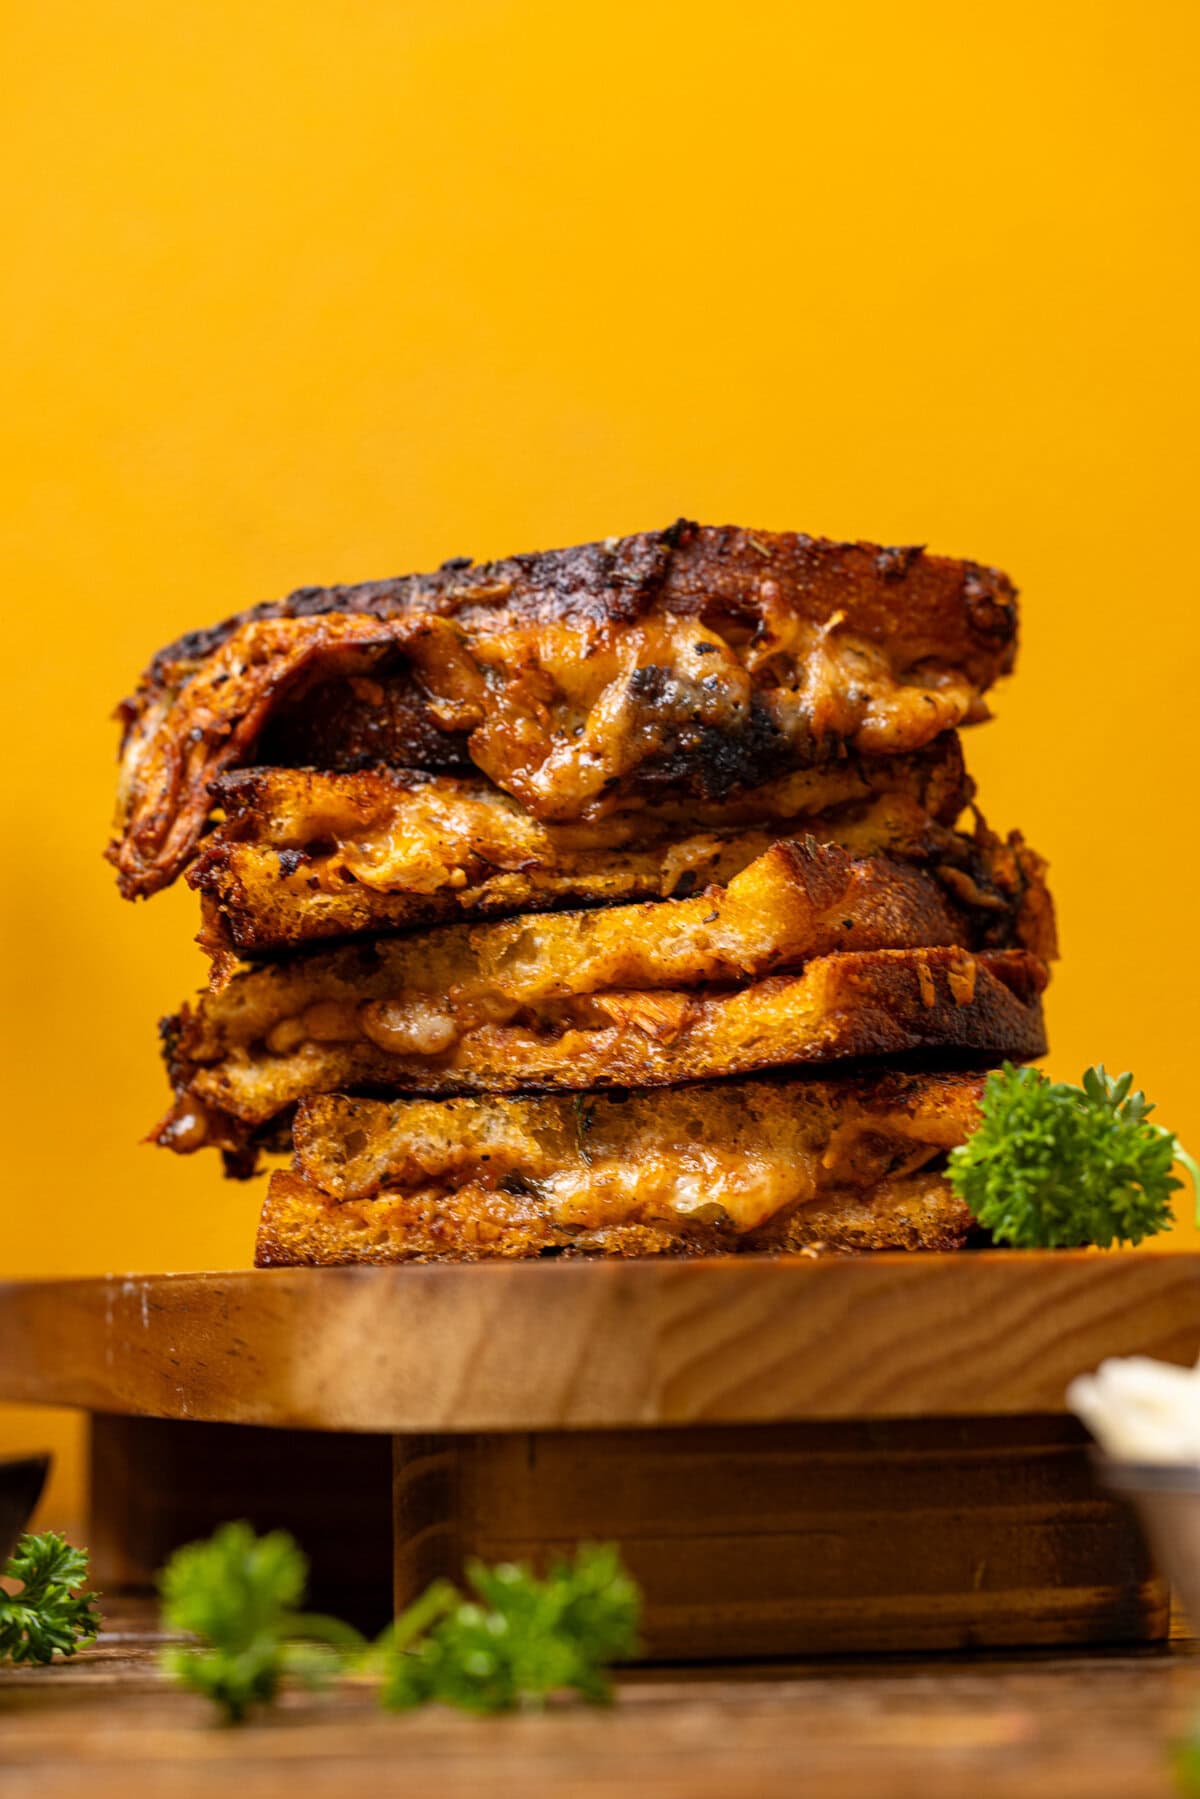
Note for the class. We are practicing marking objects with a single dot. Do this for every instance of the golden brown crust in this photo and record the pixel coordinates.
(917, 1211)
(795, 900)
(301, 1226)
(696, 661)
(303, 856)
(841, 1008)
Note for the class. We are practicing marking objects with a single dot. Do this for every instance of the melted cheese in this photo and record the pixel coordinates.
(691, 1183)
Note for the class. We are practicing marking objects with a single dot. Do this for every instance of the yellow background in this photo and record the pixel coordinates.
(303, 291)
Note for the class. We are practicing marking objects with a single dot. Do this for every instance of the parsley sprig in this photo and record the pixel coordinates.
(519, 1639)
(515, 1641)
(49, 1615)
(1053, 1166)
(239, 1594)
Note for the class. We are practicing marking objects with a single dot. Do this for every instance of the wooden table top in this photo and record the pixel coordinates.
(1022, 1727)
(598, 1345)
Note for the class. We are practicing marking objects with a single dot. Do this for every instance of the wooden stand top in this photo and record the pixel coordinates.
(597, 1345)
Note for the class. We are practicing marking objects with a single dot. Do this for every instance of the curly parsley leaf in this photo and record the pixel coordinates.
(519, 1639)
(49, 1615)
(1053, 1166)
(239, 1594)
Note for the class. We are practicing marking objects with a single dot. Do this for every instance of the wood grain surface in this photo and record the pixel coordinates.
(1064, 1727)
(593, 1345)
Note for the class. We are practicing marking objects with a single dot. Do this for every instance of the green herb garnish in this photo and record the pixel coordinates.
(239, 1594)
(49, 1615)
(1185, 1763)
(518, 1640)
(1053, 1166)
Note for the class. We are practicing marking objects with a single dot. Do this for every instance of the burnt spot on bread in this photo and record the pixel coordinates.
(895, 561)
(715, 763)
(991, 604)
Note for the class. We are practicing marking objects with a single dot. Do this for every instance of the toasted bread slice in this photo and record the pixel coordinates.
(758, 1163)
(301, 1225)
(745, 1150)
(693, 660)
(302, 856)
(246, 1055)
(795, 901)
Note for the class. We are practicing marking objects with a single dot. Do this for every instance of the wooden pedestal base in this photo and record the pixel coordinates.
(788, 1540)
(156, 1483)
(802, 1539)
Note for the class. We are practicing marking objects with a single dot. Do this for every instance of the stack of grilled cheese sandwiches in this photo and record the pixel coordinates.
(620, 900)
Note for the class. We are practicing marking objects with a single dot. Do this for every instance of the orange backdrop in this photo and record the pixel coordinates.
(302, 292)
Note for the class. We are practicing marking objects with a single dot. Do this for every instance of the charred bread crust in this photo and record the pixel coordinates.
(967, 610)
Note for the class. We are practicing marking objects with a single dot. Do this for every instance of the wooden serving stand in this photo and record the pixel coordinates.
(796, 1456)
